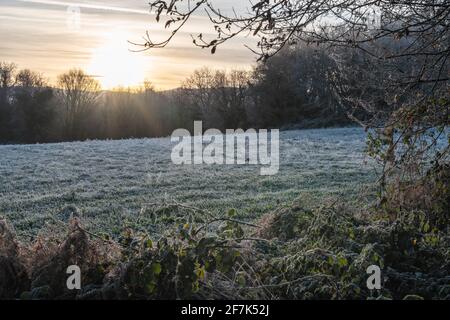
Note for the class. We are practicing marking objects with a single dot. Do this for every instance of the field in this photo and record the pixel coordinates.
(110, 182)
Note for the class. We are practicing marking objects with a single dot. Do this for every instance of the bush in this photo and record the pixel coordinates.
(295, 253)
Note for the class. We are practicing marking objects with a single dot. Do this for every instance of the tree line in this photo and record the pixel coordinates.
(290, 90)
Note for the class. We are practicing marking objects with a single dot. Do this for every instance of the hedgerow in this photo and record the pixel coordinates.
(296, 252)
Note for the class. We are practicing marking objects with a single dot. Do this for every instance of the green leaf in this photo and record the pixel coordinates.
(240, 279)
(342, 261)
(150, 287)
(156, 268)
(232, 213)
(200, 272)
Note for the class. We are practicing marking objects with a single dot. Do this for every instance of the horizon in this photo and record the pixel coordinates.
(102, 36)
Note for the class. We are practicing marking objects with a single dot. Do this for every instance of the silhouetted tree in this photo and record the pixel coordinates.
(7, 79)
(218, 97)
(34, 108)
(78, 93)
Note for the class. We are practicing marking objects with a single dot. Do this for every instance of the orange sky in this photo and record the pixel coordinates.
(44, 35)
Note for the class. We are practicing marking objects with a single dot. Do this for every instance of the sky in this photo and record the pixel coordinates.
(50, 37)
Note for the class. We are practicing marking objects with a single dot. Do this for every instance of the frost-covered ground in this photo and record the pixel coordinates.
(110, 181)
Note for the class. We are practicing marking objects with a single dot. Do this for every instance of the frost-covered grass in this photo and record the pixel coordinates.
(111, 181)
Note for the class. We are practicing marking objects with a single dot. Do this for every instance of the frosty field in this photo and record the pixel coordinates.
(111, 181)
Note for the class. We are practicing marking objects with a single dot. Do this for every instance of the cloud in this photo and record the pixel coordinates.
(84, 5)
(34, 34)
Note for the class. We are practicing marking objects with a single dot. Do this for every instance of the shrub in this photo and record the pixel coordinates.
(293, 253)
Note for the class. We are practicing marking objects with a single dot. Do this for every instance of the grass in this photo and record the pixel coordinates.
(307, 233)
(109, 182)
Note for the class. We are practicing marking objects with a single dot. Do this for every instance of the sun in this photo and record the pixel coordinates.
(114, 65)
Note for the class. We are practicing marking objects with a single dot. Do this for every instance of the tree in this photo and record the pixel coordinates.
(383, 35)
(198, 96)
(233, 90)
(79, 94)
(7, 72)
(293, 87)
(29, 79)
(218, 97)
(351, 23)
(34, 108)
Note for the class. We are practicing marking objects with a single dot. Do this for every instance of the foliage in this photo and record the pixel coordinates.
(294, 253)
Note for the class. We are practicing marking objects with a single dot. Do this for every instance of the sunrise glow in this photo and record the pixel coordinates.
(115, 65)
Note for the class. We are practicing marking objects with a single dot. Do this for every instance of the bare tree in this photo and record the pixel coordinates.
(7, 72)
(198, 86)
(28, 79)
(392, 60)
(219, 96)
(34, 110)
(342, 22)
(79, 93)
(235, 98)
